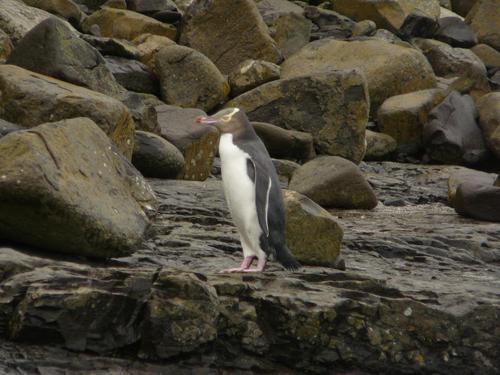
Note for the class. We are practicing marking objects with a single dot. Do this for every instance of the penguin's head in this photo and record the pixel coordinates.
(229, 120)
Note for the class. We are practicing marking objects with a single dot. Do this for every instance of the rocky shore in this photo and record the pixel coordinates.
(383, 119)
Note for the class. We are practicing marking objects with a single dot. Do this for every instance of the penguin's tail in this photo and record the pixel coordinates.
(285, 257)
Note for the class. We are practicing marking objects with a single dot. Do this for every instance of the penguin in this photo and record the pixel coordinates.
(252, 191)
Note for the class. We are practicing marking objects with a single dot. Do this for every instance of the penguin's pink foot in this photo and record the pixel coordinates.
(261, 264)
(247, 262)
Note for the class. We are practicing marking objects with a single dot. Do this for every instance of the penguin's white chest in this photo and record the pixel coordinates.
(239, 189)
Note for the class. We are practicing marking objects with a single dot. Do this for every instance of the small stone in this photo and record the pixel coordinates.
(479, 201)
(379, 146)
(364, 28)
(484, 18)
(250, 74)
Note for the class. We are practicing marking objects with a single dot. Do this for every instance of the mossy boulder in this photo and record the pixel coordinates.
(312, 234)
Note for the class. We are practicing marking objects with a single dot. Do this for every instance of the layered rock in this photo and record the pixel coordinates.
(403, 117)
(65, 189)
(125, 24)
(312, 234)
(211, 26)
(489, 120)
(332, 106)
(389, 69)
(156, 157)
(189, 79)
(52, 49)
(30, 99)
(484, 18)
(332, 181)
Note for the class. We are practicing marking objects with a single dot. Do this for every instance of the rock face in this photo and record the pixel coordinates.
(210, 26)
(156, 157)
(65, 189)
(389, 69)
(52, 49)
(250, 74)
(285, 144)
(387, 14)
(16, 18)
(484, 19)
(452, 135)
(332, 181)
(379, 146)
(489, 120)
(478, 201)
(30, 99)
(312, 234)
(332, 106)
(189, 79)
(124, 24)
(403, 117)
(196, 142)
(133, 75)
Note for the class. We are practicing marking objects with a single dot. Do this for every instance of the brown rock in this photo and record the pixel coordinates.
(379, 145)
(478, 201)
(250, 74)
(66, 9)
(5, 46)
(484, 19)
(488, 55)
(462, 7)
(228, 32)
(464, 175)
(148, 45)
(489, 120)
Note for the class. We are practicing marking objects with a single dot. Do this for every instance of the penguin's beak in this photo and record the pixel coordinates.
(205, 120)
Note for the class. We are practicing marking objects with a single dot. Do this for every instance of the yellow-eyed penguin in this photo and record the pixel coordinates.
(252, 191)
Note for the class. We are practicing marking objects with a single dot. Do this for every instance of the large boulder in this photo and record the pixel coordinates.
(113, 46)
(66, 9)
(30, 99)
(156, 157)
(478, 200)
(312, 234)
(285, 144)
(64, 188)
(148, 46)
(484, 18)
(463, 175)
(125, 24)
(189, 79)
(489, 120)
(452, 135)
(455, 32)
(196, 142)
(17, 18)
(150, 7)
(333, 106)
(389, 69)
(133, 75)
(332, 181)
(250, 74)
(52, 49)
(387, 14)
(403, 117)
(488, 55)
(228, 32)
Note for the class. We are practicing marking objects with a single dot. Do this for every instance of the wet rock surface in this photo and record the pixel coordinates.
(410, 302)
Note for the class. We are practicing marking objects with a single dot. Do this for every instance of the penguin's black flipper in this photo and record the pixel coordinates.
(263, 186)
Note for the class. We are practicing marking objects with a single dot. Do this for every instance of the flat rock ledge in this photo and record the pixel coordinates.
(420, 295)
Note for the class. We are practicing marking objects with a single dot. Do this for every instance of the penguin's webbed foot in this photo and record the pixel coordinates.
(247, 262)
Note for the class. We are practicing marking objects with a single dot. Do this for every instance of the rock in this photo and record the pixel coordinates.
(387, 36)
(149, 45)
(17, 18)
(155, 157)
(7, 127)
(364, 28)
(66, 9)
(53, 50)
(90, 6)
(484, 18)
(489, 120)
(287, 24)
(312, 234)
(142, 108)
(113, 47)
(168, 16)
(488, 55)
(418, 24)
(466, 175)
(497, 182)
(448, 13)
(379, 146)
(448, 62)
(332, 106)
(452, 135)
(285, 144)
(65, 189)
(455, 32)
(387, 14)
(189, 79)
(196, 142)
(30, 99)
(133, 75)
(403, 117)
(462, 7)
(327, 23)
(285, 169)
(150, 7)
(250, 74)
(125, 24)
(118, 4)
(5, 46)
(331, 181)
(478, 201)
(211, 26)
(389, 69)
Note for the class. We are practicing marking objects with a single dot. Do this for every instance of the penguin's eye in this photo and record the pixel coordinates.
(226, 118)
